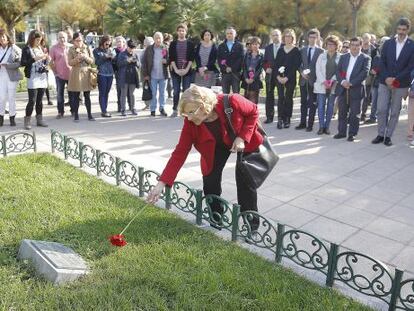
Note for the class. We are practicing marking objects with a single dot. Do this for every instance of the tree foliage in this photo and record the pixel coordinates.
(13, 12)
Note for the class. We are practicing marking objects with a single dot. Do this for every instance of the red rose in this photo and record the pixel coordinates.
(118, 240)
(376, 70)
(343, 74)
(267, 65)
(395, 84)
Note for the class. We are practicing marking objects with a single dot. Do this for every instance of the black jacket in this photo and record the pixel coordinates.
(172, 51)
(27, 61)
(233, 58)
(211, 65)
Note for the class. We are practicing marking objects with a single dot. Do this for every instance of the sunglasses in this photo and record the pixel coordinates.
(191, 113)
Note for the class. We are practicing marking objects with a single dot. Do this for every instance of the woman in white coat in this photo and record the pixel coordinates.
(10, 56)
(326, 81)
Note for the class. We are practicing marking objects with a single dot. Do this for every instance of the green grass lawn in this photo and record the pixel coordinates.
(168, 264)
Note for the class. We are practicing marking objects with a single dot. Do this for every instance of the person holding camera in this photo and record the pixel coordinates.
(128, 79)
(80, 58)
(104, 56)
(35, 61)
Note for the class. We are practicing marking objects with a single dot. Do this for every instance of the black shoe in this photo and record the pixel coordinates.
(321, 131)
(134, 112)
(350, 138)
(370, 121)
(163, 113)
(309, 129)
(268, 121)
(339, 136)
(76, 117)
(279, 124)
(106, 115)
(1, 120)
(300, 127)
(49, 103)
(123, 113)
(327, 131)
(12, 121)
(377, 140)
(387, 141)
(152, 113)
(66, 104)
(90, 118)
(286, 124)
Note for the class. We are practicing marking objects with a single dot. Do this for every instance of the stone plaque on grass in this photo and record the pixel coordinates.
(54, 261)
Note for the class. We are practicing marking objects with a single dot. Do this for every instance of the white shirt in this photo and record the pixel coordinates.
(352, 61)
(275, 49)
(399, 46)
(6, 53)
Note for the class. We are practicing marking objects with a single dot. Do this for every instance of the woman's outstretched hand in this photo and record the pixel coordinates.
(238, 145)
(155, 193)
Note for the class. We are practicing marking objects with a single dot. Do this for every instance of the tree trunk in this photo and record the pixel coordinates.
(354, 21)
(12, 31)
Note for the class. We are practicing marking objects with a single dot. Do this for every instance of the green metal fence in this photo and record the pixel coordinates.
(359, 272)
(17, 143)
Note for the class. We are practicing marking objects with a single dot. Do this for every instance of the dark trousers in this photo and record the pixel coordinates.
(74, 103)
(246, 195)
(285, 102)
(270, 96)
(118, 97)
(60, 90)
(169, 87)
(230, 80)
(35, 98)
(253, 96)
(348, 113)
(367, 100)
(104, 86)
(179, 81)
(307, 105)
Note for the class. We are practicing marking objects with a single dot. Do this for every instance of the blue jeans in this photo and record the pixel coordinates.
(374, 97)
(60, 89)
(104, 86)
(177, 81)
(160, 83)
(325, 117)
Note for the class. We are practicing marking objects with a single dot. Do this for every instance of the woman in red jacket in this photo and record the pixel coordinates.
(205, 127)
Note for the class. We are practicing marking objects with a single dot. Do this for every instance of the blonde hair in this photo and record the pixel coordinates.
(197, 96)
(335, 40)
(289, 32)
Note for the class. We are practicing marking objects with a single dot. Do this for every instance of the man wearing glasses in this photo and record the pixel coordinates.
(397, 62)
(345, 47)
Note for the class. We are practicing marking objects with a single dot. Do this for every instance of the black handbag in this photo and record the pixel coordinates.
(254, 166)
(146, 91)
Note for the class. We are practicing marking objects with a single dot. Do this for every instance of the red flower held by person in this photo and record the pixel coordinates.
(223, 62)
(395, 84)
(118, 240)
(267, 65)
(164, 53)
(376, 70)
(343, 74)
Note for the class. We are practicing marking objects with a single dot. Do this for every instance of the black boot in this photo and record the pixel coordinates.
(286, 123)
(1, 120)
(279, 124)
(12, 121)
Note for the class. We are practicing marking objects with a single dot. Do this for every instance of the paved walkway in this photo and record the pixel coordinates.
(357, 194)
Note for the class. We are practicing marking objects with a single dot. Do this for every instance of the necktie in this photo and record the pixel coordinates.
(309, 56)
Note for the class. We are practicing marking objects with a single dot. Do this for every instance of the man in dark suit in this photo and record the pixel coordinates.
(230, 55)
(309, 54)
(397, 62)
(351, 73)
(270, 69)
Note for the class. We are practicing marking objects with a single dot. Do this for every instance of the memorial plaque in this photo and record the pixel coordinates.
(54, 261)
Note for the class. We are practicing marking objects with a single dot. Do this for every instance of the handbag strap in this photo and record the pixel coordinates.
(5, 53)
(228, 111)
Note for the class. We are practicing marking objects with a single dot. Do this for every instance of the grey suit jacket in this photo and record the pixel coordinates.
(13, 64)
(358, 75)
(312, 66)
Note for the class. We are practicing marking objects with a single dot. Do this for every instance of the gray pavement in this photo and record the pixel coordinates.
(357, 194)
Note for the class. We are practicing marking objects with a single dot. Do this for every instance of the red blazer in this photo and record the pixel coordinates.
(244, 119)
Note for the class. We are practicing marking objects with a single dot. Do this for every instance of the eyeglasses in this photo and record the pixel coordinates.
(345, 47)
(191, 113)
